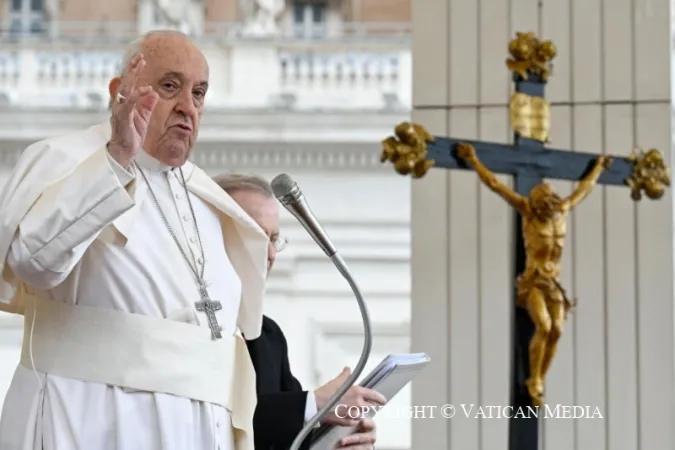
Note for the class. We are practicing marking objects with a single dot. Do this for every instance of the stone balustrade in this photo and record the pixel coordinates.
(361, 70)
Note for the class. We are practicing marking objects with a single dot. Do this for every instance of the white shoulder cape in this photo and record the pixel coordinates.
(47, 162)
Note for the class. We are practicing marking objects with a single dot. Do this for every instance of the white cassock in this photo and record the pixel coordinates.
(95, 238)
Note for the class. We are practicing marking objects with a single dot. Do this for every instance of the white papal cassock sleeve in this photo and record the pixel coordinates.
(66, 219)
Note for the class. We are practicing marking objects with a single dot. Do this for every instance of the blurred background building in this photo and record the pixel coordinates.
(307, 87)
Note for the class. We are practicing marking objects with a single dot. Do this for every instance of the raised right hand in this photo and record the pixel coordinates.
(356, 398)
(605, 161)
(466, 152)
(130, 118)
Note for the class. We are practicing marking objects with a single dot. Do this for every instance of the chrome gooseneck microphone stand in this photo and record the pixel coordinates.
(290, 196)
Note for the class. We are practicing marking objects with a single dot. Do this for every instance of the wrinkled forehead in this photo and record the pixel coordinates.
(171, 54)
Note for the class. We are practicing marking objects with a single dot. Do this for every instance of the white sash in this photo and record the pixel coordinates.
(142, 353)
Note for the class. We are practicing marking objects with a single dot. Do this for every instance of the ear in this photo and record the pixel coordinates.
(113, 86)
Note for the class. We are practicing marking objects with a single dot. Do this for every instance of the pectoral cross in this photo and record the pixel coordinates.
(210, 307)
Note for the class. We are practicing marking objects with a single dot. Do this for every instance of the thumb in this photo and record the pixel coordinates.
(345, 373)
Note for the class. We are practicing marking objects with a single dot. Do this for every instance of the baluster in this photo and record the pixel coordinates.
(394, 67)
(16, 73)
(338, 72)
(324, 62)
(79, 68)
(4, 69)
(303, 73)
(67, 80)
(380, 72)
(53, 71)
(283, 68)
(91, 72)
(297, 69)
(365, 70)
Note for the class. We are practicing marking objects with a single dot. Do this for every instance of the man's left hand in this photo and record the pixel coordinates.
(362, 439)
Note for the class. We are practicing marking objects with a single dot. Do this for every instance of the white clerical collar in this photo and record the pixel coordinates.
(148, 162)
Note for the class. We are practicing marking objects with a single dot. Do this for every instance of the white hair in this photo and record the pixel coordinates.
(231, 183)
(136, 46)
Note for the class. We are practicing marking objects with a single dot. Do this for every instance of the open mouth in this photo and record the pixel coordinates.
(184, 127)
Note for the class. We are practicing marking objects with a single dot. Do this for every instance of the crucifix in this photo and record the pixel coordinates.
(210, 307)
(540, 302)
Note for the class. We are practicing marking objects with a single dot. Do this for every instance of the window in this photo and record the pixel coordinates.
(309, 18)
(27, 17)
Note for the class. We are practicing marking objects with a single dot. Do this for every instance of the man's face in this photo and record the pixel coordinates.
(179, 73)
(265, 211)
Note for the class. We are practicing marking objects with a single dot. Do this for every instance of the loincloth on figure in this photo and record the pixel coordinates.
(548, 285)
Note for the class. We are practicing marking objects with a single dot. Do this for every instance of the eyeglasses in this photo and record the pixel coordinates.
(279, 243)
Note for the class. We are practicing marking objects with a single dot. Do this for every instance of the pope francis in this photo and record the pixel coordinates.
(136, 275)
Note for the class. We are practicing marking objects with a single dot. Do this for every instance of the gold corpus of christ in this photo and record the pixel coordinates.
(538, 288)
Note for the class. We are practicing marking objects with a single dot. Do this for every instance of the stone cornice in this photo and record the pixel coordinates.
(220, 124)
(247, 156)
(239, 140)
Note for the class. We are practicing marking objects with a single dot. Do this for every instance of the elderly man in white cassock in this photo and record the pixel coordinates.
(137, 276)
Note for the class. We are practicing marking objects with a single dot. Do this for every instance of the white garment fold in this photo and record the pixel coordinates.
(96, 238)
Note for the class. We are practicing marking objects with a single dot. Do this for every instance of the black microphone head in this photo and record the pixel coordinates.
(284, 187)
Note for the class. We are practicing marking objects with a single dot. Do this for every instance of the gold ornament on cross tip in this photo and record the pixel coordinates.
(407, 150)
(650, 174)
(530, 115)
(529, 55)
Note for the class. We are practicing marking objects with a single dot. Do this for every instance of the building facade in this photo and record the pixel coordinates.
(306, 87)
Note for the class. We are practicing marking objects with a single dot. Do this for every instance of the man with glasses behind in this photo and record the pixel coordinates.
(283, 407)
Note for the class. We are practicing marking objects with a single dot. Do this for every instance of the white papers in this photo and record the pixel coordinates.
(388, 378)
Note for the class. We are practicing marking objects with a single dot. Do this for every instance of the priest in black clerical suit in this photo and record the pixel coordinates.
(283, 407)
(280, 412)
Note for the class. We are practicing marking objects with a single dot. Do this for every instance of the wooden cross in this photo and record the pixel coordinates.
(540, 302)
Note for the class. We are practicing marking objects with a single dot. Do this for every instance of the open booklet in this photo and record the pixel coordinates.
(388, 378)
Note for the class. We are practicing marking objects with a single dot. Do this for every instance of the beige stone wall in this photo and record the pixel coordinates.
(222, 11)
(379, 10)
(611, 92)
(94, 11)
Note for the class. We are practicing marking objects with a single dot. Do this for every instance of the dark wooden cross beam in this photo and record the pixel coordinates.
(413, 151)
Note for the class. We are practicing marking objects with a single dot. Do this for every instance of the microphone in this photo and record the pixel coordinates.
(290, 196)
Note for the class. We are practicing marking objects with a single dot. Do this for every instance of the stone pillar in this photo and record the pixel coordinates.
(611, 91)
